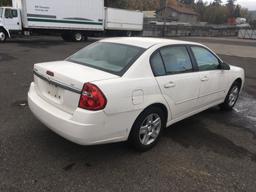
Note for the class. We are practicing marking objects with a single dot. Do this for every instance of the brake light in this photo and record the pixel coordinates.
(92, 98)
(50, 73)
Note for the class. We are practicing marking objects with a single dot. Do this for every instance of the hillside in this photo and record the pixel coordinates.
(253, 14)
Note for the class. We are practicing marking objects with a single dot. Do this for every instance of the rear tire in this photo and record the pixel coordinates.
(77, 37)
(147, 128)
(3, 36)
(231, 97)
(129, 33)
(66, 36)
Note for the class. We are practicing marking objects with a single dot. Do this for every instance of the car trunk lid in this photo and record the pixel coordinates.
(60, 83)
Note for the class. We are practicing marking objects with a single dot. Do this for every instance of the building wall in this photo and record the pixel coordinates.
(187, 18)
(172, 15)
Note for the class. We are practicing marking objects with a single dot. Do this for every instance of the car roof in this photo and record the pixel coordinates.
(146, 42)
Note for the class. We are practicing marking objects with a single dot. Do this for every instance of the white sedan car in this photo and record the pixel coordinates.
(121, 89)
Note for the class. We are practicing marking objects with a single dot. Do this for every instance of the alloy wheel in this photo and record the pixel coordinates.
(150, 129)
(233, 96)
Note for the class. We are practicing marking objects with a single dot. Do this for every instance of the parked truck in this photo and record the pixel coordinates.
(74, 20)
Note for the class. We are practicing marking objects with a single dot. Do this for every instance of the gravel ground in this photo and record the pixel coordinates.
(212, 151)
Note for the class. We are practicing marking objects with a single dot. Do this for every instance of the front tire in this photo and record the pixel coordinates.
(147, 129)
(3, 36)
(232, 97)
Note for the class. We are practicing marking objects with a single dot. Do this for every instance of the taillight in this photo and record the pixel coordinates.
(92, 98)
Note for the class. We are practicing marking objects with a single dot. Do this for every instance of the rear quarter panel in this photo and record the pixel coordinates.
(121, 110)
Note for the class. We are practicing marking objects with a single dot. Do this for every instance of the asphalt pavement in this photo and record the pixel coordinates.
(212, 151)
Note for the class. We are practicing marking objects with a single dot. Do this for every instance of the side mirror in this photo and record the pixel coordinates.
(224, 66)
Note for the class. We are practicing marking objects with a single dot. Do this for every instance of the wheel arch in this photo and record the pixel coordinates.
(239, 81)
(162, 106)
(225, 105)
(158, 105)
(6, 31)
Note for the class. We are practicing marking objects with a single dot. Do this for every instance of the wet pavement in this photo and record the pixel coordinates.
(212, 151)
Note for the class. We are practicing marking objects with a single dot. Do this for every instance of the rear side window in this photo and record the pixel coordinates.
(157, 64)
(176, 59)
(205, 59)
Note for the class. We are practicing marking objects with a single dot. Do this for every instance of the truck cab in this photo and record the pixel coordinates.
(10, 22)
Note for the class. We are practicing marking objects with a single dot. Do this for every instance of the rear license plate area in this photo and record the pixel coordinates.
(53, 91)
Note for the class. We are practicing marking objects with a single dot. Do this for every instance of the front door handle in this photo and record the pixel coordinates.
(169, 85)
(18, 23)
(205, 78)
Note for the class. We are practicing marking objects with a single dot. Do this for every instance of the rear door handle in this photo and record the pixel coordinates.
(169, 85)
(205, 78)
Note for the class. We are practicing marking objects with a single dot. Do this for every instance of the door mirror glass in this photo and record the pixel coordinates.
(224, 66)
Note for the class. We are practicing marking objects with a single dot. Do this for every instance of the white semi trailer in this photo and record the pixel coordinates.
(73, 20)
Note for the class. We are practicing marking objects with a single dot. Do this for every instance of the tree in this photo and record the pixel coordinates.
(5, 2)
(134, 4)
(231, 7)
(237, 11)
(172, 2)
(244, 12)
(116, 3)
(231, 2)
(200, 8)
(187, 2)
(143, 4)
(217, 2)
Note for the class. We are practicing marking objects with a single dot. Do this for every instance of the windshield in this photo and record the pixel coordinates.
(1, 12)
(110, 57)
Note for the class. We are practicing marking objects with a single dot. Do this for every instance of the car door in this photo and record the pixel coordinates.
(213, 79)
(174, 72)
(12, 19)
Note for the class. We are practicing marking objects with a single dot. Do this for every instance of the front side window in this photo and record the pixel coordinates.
(8, 13)
(176, 60)
(111, 57)
(1, 12)
(205, 59)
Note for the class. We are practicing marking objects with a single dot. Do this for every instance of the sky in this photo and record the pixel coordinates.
(250, 4)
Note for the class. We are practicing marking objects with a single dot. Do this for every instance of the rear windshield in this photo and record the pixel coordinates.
(111, 57)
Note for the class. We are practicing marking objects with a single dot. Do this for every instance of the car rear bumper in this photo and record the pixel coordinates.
(82, 127)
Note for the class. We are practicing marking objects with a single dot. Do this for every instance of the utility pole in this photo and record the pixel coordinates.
(163, 5)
